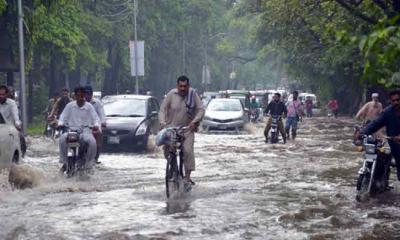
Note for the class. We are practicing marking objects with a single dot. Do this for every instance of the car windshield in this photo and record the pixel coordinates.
(224, 106)
(125, 108)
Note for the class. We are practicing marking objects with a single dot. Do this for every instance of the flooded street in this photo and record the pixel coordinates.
(245, 189)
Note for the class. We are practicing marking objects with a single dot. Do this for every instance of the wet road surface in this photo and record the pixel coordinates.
(245, 189)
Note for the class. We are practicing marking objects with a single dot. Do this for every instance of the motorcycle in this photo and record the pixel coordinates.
(76, 152)
(254, 115)
(373, 176)
(274, 134)
(51, 130)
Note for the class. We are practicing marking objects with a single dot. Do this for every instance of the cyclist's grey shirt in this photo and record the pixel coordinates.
(175, 112)
(75, 116)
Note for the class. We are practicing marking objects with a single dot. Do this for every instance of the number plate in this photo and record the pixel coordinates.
(222, 126)
(113, 140)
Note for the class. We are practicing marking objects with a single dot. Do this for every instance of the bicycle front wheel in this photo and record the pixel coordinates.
(171, 177)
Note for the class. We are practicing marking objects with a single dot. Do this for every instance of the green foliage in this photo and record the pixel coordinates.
(381, 50)
(3, 5)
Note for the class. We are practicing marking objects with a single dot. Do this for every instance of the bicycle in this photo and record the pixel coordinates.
(175, 170)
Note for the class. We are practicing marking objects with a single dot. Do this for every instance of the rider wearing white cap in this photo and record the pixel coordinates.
(371, 110)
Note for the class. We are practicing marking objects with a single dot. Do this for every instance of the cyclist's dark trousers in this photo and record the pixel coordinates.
(395, 149)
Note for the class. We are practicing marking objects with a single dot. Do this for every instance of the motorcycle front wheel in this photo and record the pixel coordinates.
(274, 137)
(363, 182)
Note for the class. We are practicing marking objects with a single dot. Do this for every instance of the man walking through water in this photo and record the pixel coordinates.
(294, 113)
(183, 107)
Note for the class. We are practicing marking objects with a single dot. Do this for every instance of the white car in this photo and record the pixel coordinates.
(10, 149)
(224, 114)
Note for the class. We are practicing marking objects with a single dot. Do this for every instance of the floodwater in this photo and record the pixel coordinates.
(245, 189)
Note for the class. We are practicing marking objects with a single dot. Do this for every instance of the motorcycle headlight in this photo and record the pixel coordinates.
(370, 148)
(73, 137)
(142, 129)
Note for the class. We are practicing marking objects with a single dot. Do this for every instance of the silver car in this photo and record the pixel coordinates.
(10, 149)
(224, 114)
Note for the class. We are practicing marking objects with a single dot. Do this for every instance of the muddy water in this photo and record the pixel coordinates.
(244, 189)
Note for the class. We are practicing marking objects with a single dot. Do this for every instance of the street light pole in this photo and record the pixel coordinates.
(22, 97)
(135, 7)
(206, 62)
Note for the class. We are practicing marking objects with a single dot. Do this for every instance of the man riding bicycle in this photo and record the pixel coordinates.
(275, 108)
(79, 114)
(183, 107)
(389, 118)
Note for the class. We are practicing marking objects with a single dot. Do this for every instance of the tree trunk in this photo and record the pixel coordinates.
(110, 80)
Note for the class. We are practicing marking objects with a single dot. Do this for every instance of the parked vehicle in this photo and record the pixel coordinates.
(243, 95)
(97, 95)
(207, 96)
(131, 119)
(225, 114)
(10, 148)
(316, 110)
(373, 176)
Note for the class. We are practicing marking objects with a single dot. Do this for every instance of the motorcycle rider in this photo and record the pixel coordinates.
(275, 108)
(98, 106)
(9, 110)
(254, 107)
(52, 101)
(371, 110)
(183, 107)
(294, 113)
(389, 118)
(60, 104)
(333, 106)
(79, 114)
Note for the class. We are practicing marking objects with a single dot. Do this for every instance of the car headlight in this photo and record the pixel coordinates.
(142, 129)
(239, 118)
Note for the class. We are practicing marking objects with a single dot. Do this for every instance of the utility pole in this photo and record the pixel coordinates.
(135, 9)
(22, 97)
(184, 52)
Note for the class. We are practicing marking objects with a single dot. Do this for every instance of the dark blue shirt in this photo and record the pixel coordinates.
(389, 119)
